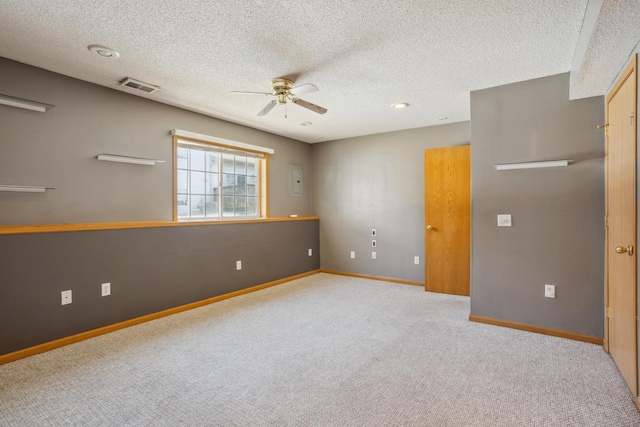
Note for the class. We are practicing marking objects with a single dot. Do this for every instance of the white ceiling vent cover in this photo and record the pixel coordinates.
(138, 85)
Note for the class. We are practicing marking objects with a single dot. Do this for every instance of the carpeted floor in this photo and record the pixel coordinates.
(320, 351)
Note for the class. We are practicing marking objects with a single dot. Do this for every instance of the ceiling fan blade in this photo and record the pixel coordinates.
(313, 107)
(302, 89)
(239, 92)
(268, 108)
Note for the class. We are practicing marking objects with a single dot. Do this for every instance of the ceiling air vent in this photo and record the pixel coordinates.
(138, 85)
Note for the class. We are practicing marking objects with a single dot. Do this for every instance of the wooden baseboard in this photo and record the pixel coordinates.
(536, 329)
(364, 276)
(637, 400)
(41, 348)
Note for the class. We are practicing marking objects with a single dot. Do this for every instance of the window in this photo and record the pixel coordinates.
(217, 182)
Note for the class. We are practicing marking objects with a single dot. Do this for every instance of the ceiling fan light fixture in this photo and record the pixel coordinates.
(400, 105)
(105, 52)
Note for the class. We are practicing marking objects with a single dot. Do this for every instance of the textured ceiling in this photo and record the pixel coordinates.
(362, 55)
(614, 37)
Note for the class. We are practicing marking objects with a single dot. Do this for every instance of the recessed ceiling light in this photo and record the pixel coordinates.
(305, 123)
(399, 105)
(104, 51)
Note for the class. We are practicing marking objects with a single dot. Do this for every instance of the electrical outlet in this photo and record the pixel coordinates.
(550, 291)
(416, 260)
(310, 252)
(66, 297)
(373, 255)
(373, 232)
(106, 289)
(238, 265)
(373, 243)
(353, 254)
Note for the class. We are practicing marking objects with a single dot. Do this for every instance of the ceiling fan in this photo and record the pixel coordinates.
(284, 91)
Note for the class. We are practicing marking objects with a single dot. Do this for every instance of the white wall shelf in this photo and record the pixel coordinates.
(128, 159)
(533, 165)
(26, 104)
(24, 188)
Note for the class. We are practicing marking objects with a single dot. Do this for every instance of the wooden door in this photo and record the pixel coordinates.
(621, 329)
(447, 204)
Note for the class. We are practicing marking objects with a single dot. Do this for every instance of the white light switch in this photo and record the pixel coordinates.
(310, 252)
(353, 254)
(504, 220)
(238, 265)
(373, 255)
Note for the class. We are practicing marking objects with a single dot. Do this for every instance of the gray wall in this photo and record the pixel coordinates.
(58, 149)
(557, 235)
(150, 270)
(376, 181)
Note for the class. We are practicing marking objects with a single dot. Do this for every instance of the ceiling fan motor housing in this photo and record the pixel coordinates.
(281, 87)
(281, 84)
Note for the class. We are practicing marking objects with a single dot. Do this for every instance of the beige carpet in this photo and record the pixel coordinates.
(320, 351)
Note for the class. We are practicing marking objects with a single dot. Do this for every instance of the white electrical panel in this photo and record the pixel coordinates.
(295, 180)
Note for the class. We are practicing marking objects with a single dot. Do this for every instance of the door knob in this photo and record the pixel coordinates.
(622, 250)
(429, 227)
